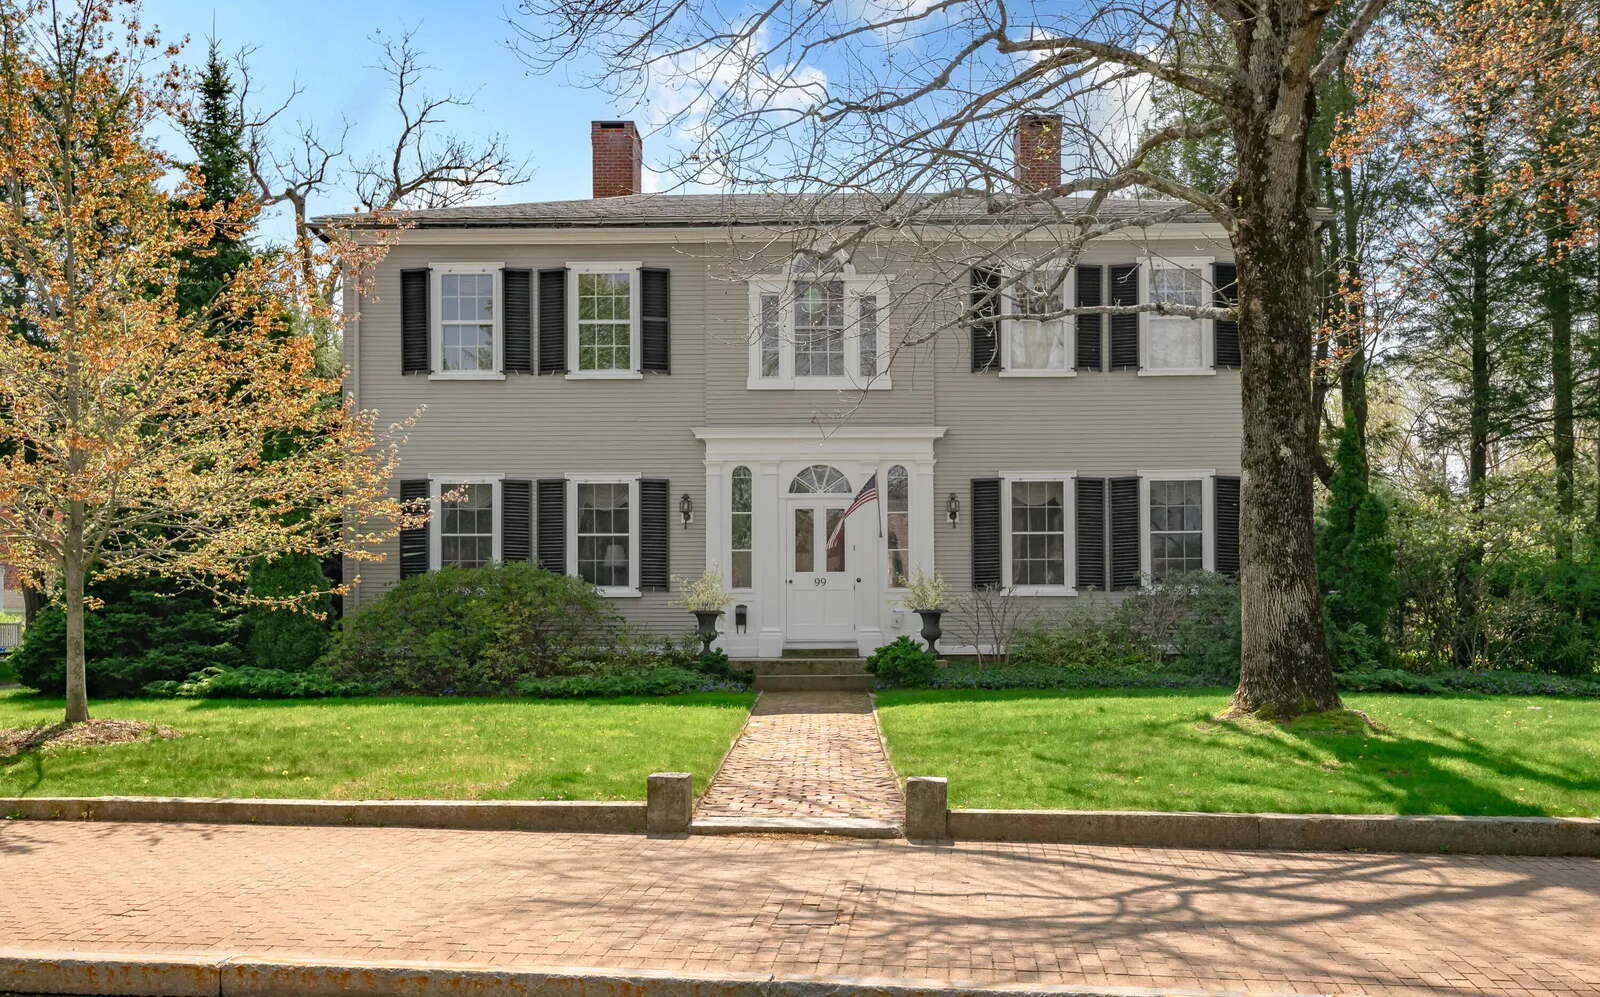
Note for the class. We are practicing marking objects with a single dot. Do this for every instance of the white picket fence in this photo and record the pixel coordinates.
(10, 637)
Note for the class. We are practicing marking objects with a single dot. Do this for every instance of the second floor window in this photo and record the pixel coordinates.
(1177, 343)
(603, 330)
(820, 327)
(1038, 337)
(466, 324)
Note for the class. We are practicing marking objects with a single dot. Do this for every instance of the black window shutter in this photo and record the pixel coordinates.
(1124, 328)
(553, 322)
(1227, 513)
(1089, 280)
(414, 543)
(553, 524)
(986, 319)
(516, 520)
(1091, 532)
(986, 533)
(414, 319)
(516, 295)
(1225, 294)
(1125, 558)
(655, 537)
(655, 319)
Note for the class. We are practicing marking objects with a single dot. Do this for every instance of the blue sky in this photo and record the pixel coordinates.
(325, 47)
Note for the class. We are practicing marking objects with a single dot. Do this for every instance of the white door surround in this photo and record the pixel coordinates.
(839, 610)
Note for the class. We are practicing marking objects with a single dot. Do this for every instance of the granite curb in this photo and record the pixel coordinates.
(134, 975)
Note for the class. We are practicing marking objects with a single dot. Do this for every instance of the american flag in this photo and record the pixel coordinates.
(868, 493)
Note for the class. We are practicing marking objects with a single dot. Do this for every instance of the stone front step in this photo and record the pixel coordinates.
(803, 666)
(814, 683)
(819, 652)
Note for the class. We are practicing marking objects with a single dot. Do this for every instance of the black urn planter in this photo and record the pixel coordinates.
(707, 628)
(930, 628)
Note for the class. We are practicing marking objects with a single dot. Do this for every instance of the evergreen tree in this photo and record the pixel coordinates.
(1356, 559)
(216, 136)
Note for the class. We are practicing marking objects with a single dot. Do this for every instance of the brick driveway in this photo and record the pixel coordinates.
(1376, 924)
(807, 754)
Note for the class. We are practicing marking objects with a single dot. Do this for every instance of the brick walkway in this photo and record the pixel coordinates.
(1299, 923)
(807, 754)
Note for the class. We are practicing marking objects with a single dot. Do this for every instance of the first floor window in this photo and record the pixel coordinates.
(1036, 334)
(604, 534)
(742, 545)
(1176, 533)
(466, 524)
(1175, 342)
(897, 512)
(1038, 533)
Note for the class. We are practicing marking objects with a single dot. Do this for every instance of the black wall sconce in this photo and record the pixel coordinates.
(686, 510)
(741, 617)
(952, 510)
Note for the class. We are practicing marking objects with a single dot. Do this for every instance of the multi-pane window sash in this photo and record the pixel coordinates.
(1177, 531)
(1038, 533)
(819, 329)
(1036, 331)
(742, 529)
(823, 331)
(604, 534)
(605, 321)
(1177, 343)
(466, 526)
(897, 515)
(466, 321)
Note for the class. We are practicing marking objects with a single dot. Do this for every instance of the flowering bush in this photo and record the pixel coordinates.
(704, 594)
(923, 591)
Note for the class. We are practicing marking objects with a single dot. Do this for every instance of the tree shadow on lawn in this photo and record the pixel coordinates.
(1402, 771)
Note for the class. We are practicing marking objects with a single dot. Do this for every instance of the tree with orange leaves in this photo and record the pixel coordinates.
(135, 438)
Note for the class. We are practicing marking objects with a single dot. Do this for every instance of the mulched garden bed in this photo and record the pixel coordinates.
(93, 733)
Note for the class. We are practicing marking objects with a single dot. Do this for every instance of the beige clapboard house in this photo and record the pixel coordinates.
(619, 393)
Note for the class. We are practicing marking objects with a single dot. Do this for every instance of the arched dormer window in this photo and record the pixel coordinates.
(818, 323)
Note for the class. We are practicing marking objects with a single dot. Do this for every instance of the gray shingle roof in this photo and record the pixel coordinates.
(747, 209)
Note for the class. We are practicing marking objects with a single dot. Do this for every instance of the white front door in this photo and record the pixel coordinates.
(821, 593)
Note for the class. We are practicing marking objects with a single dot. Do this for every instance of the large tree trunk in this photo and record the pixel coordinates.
(1284, 665)
(1558, 304)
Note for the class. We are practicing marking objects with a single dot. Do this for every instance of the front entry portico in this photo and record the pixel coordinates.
(775, 497)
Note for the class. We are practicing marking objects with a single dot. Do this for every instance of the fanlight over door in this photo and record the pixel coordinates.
(820, 479)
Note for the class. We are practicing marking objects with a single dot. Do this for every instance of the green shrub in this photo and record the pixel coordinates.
(715, 664)
(1083, 643)
(256, 683)
(497, 629)
(903, 662)
(147, 630)
(290, 640)
(965, 675)
(624, 682)
(1492, 683)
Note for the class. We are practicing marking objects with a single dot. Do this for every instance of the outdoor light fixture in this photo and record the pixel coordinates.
(952, 509)
(741, 617)
(686, 510)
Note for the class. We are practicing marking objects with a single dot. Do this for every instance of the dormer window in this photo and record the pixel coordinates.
(818, 325)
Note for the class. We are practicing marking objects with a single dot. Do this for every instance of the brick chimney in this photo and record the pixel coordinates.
(1036, 150)
(617, 156)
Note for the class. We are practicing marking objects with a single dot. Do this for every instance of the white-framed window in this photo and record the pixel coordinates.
(467, 339)
(897, 518)
(466, 520)
(1176, 344)
(741, 528)
(1035, 344)
(603, 320)
(1037, 552)
(603, 531)
(1175, 517)
(817, 327)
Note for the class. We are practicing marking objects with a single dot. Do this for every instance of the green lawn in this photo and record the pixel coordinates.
(1160, 750)
(486, 749)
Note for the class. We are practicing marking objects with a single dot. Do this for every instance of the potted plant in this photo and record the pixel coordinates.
(704, 597)
(925, 597)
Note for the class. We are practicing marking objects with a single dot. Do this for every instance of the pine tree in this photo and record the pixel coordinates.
(216, 136)
(1356, 559)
